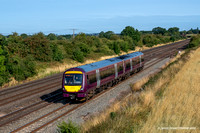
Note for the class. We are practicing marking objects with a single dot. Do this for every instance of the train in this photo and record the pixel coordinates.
(83, 82)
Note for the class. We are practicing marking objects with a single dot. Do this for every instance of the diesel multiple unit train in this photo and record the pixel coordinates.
(84, 81)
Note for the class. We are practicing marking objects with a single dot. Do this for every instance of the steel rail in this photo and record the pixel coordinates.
(54, 119)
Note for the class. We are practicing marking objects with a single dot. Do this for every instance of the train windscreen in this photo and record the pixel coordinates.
(73, 79)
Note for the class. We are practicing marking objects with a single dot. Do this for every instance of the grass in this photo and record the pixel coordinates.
(180, 104)
(170, 98)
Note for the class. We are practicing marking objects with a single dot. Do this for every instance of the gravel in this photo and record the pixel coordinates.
(81, 114)
(100, 103)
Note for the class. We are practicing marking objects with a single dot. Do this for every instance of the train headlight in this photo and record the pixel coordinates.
(63, 88)
(81, 88)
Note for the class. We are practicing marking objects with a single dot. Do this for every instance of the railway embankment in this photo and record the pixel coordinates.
(53, 68)
(167, 101)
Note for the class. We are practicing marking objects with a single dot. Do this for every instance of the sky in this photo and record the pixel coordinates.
(94, 16)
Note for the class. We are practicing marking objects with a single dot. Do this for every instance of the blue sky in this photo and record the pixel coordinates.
(93, 16)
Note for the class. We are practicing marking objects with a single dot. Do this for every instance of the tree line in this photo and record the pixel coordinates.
(21, 54)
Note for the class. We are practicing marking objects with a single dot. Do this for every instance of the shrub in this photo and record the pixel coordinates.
(68, 127)
(20, 68)
(30, 66)
(84, 48)
(150, 40)
(56, 52)
(116, 47)
(4, 75)
(39, 47)
(129, 40)
(105, 50)
(78, 55)
(195, 41)
(112, 115)
(124, 46)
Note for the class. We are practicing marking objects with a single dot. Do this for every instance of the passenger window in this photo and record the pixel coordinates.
(92, 78)
(107, 73)
(128, 65)
(134, 62)
(120, 67)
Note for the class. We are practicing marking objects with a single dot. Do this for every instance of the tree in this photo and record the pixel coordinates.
(101, 34)
(52, 36)
(150, 40)
(130, 31)
(174, 33)
(173, 30)
(3, 41)
(20, 68)
(3, 75)
(39, 47)
(116, 47)
(129, 40)
(107, 34)
(57, 53)
(84, 48)
(24, 35)
(16, 46)
(78, 55)
(2, 60)
(159, 30)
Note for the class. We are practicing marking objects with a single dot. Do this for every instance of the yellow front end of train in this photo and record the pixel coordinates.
(73, 81)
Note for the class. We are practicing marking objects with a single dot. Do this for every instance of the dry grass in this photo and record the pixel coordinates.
(157, 106)
(138, 85)
(180, 104)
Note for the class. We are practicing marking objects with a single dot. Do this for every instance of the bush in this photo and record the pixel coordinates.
(129, 40)
(84, 48)
(116, 47)
(20, 68)
(56, 52)
(105, 50)
(124, 46)
(39, 47)
(30, 66)
(150, 40)
(68, 127)
(78, 55)
(112, 115)
(195, 41)
(4, 75)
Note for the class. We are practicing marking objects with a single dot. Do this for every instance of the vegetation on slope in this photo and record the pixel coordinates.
(168, 100)
(22, 56)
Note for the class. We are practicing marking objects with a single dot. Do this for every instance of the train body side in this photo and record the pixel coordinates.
(101, 74)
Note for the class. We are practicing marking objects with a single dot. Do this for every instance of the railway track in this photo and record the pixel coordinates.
(57, 80)
(13, 116)
(148, 52)
(21, 87)
(78, 106)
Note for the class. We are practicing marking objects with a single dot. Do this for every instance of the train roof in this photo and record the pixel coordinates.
(107, 62)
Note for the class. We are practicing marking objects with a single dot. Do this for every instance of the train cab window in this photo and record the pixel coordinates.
(73, 79)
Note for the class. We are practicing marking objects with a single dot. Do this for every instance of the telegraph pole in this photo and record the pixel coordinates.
(73, 32)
